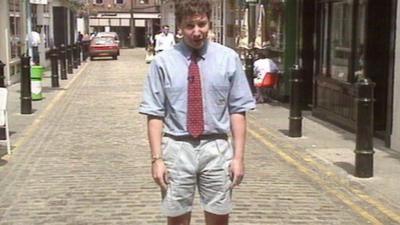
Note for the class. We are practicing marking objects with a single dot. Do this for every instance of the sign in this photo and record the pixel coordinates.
(251, 1)
(42, 2)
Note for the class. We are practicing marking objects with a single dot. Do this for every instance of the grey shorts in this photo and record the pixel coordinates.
(203, 164)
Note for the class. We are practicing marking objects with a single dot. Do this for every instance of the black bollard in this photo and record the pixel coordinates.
(85, 49)
(78, 53)
(364, 128)
(295, 118)
(2, 84)
(26, 98)
(69, 60)
(54, 67)
(75, 57)
(63, 63)
(249, 67)
(2, 77)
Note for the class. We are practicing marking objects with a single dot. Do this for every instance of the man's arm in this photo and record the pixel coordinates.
(238, 128)
(154, 132)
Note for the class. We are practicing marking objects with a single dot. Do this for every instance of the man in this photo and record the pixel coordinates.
(263, 67)
(34, 42)
(195, 94)
(164, 40)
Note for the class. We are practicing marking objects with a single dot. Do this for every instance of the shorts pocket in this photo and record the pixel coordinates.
(225, 149)
(170, 149)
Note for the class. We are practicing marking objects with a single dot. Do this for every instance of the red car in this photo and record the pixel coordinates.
(103, 46)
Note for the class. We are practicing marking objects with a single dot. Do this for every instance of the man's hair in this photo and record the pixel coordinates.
(184, 8)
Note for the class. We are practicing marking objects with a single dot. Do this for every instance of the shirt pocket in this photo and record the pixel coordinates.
(219, 100)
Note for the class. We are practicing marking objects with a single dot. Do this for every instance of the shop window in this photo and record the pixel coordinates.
(273, 35)
(340, 60)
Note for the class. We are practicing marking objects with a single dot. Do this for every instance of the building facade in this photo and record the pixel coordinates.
(131, 19)
(53, 19)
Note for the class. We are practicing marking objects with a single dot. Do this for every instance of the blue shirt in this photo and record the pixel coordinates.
(225, 88)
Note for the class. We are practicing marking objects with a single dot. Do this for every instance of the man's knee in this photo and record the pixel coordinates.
(180, 220)
(214, 219)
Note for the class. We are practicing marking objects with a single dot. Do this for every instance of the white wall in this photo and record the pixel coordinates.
(395, 138)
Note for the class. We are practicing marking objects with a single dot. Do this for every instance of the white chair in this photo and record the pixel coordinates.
(4, 117)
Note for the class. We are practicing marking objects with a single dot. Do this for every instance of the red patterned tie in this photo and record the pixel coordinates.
(195, 121)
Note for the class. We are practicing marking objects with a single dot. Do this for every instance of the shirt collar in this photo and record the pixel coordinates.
(187, 51)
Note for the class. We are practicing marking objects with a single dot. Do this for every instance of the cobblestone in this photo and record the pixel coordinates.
(88, 163)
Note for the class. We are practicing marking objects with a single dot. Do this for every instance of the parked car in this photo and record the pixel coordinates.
(113, 35)
(103, 46)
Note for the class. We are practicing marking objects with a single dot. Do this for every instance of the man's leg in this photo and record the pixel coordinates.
(180, 220)
(213, 219)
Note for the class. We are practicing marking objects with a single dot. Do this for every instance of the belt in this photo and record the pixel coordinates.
(201, 137)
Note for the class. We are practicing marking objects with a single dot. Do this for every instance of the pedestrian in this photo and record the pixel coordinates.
(262, 67)
(164, 40)
(79, 37)
(34, 42)
(195, 95)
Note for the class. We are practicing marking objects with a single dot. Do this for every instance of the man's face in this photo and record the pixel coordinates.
(195, 30)
(166, 30)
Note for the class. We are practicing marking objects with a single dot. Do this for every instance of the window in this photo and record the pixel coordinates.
(119, 1)
(15, 28)
(99, 2)
(339, 59)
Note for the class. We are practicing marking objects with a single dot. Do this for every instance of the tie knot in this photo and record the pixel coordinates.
(194, 56)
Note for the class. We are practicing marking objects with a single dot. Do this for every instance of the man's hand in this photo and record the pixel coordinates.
(160, 174)
(236, 172)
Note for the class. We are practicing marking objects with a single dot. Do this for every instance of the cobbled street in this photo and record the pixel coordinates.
(88, 162)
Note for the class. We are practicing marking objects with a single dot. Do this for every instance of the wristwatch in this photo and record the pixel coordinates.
(155, 158)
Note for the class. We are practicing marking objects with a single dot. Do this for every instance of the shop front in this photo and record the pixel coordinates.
(352, 41)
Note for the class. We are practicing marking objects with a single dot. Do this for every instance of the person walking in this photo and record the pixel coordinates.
(34, 42)
(263, 66)
(164, 40)
(195, 95)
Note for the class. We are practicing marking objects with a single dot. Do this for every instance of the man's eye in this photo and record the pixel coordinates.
(202, 24)
(189, 26)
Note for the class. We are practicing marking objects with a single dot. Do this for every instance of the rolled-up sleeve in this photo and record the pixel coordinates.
(240, 97)
(153, 93)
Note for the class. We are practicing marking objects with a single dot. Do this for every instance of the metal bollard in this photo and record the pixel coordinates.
(295, 118)
(26, 97)
(2, 77)
(85, 49)
(364, 128)
(54, 67)
(69, 59)
(75, 57)
(63, 63)
(78, 53)
(2, 84)
(249, 67)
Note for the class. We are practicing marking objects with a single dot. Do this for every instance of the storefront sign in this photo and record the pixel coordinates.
(42, 2)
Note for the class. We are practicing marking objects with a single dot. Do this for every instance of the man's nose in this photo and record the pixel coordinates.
(197, 31)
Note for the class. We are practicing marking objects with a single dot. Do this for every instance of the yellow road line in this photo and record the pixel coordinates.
(378, 205)
(31, 128)
(306, 171)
